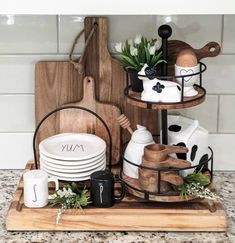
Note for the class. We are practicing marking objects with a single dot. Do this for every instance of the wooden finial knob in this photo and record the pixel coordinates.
(125, 123)
(164, 31)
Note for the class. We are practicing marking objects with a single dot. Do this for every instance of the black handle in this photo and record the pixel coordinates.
(78, 108)
(123, 190)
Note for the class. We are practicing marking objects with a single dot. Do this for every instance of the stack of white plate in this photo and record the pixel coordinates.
(72, 156)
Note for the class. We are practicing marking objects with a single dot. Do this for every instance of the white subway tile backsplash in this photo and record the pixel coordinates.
(123, 27)
(224, 153)
(15, 150)
(25, 40)
(205, 113)
(229, 34)
(28, 34)
(69, 27)
(196, 30)
(17, 72)
(219, 78)
(17, 113)
(227, 114)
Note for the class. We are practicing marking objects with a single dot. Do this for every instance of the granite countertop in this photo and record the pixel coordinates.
(225, 182)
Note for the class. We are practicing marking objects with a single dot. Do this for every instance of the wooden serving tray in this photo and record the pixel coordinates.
(132, 214)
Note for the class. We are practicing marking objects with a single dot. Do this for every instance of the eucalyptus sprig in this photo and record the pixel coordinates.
(133, 54)
(69, 197)
(194, 185)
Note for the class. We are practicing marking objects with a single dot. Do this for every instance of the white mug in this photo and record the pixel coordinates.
(189, 81)
(36, 188)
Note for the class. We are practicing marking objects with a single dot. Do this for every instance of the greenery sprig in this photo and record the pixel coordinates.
(69, 197)
(194, 185)
(133, 54)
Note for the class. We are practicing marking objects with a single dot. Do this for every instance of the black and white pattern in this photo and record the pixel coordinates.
(158, 87)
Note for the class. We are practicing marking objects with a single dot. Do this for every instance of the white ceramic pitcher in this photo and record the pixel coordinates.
(135, 150)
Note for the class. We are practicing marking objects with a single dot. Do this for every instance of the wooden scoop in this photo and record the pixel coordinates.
(159, 152)
(169, 162)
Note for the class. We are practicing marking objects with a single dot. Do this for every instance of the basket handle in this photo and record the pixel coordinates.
(78, 108)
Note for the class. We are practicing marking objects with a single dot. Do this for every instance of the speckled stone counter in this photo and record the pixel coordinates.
(225, 182)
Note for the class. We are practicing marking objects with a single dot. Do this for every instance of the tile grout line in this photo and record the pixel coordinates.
(14, 94)
(220, 94)
(58, 33)
(218, 115)
(18, 132)
(222, 34)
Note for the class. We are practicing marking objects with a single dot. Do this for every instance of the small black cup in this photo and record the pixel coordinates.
(102, 189)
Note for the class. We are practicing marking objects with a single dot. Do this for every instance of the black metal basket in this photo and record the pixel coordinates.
(78, 108)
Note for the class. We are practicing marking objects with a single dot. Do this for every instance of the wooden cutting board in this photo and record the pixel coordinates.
(111, 77)
(211, 49)
(82, 121)
(132, 214)
(58, 83)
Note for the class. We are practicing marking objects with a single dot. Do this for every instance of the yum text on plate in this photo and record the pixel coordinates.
(72, 147)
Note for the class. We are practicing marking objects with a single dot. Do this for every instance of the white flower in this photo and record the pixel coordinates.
(60, 193)
(157, 45)
(65, 193)
(138, 39)
(152, 50)
(130, 42)
(133, 51)
(69, 193)
(118, 47)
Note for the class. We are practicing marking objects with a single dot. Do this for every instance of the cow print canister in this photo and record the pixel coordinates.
(183, 131)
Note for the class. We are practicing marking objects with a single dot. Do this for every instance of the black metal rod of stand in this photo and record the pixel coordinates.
(164, 32)
(164, 127)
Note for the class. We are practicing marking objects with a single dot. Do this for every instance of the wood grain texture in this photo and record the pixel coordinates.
(211, 49)
(56, 83)
(171, 196)
(111, 77)
(132, 214)
(82, 121)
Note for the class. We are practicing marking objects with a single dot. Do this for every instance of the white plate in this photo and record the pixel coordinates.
(69, 179)
(81, 163)
(72, 146)
(72, 169)
(73, 175)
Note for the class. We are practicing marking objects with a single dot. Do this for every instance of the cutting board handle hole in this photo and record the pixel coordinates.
(212, 49)
(96, 24)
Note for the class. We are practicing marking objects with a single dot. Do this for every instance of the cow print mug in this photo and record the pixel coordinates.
(102, 189)
(36, 188)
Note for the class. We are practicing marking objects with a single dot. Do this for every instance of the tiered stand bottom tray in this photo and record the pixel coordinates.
(132, 214)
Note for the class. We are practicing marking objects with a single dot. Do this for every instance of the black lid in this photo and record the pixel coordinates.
(102, 175)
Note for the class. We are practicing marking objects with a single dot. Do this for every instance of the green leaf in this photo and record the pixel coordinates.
(147, 55)
(130, 61)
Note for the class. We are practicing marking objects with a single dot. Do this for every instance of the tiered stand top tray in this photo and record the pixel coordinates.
(134, 98)
(132, 214)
